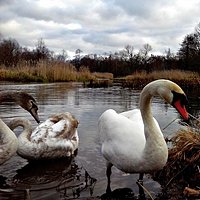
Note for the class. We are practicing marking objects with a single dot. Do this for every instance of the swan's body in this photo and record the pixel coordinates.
(8, 139)
(125, 143)
(132, 141)
(57, 137)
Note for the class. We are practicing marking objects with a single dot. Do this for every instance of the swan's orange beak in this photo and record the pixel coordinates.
(181, 109)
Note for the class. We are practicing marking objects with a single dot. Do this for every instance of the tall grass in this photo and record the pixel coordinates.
(45, 71)
(183, 78)
(55, 71)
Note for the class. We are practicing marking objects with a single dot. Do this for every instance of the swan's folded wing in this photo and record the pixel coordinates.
(41, 131)
(133, 115)
(114, 126)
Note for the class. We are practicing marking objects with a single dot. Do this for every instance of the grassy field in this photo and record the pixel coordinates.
(45, 72)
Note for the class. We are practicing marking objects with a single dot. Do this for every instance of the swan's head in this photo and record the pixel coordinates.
(27, 102)
(175, 96)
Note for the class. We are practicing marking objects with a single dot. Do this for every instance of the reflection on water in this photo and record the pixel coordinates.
(63, 177)
(84, 175)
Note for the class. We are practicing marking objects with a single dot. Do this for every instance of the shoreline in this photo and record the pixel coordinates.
(59, 72)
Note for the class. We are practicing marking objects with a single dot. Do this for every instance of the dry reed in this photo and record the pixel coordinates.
(85, 75)
(45, 71)
(186, 146)
(183, 78)
(105, 75)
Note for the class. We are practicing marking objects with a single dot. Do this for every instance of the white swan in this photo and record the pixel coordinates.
(8, 142)
(57, 137)
(132, 141)
(8, 139)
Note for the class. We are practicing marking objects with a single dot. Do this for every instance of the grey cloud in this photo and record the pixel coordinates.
(136, 8)
(3, 2)
(31, 10)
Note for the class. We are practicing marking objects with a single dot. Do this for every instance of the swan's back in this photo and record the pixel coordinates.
(134, 115)
(109, 126)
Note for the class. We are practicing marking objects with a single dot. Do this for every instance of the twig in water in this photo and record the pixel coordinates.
(145, 190)
(169, 123)
(194, 117)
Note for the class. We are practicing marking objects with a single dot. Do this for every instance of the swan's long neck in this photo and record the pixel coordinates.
(25, 124)
(155, 147)
(7, 96)
(145, 108)
(151, 128)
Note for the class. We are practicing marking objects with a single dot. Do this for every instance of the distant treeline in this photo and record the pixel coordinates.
(120, 63)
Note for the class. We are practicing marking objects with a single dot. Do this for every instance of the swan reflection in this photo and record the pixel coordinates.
(61, 177)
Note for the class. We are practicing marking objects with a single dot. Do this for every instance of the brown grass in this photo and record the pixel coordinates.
(85, 75)
(105, 75)
(45, 72)
(100, 80)
(186, 146)
(183, 161)
(183, 78)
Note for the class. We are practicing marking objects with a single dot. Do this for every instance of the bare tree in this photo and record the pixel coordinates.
(10, 52)
(41, 50)
(197, 29)
(169, 54)
(62, 57)
(129, 51)
(78, 53)
(146, 49)
(77, 60)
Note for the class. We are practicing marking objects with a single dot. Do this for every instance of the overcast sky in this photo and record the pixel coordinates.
(98, 26)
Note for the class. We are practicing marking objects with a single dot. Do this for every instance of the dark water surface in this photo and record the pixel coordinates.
(82, 177)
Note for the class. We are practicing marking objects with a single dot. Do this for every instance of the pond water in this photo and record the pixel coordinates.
(82, 177)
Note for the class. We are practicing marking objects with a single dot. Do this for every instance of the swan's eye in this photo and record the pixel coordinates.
(181, 97)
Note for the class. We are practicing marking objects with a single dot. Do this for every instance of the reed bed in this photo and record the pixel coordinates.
(45, 71)
(54, 71)
(105, 75)
(183, 78)
(100, 80)
(85, 75)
